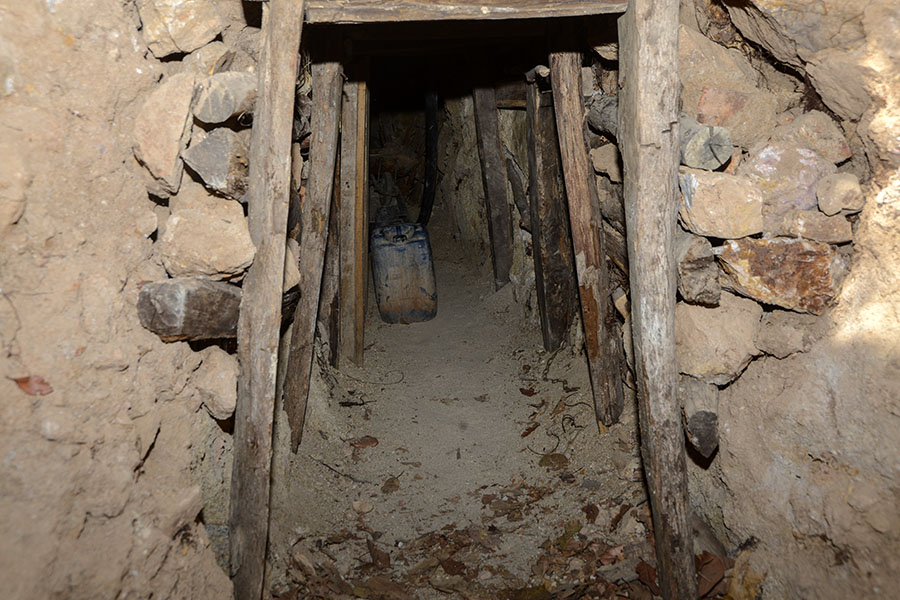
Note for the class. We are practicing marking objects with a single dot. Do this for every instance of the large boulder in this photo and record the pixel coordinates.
(162, 130)
(716, 344)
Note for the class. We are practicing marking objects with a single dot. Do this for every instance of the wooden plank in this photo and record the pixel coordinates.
(353, 221)
(326, 112)
(260, 318)
(378, 11)
(330, 297)
(649, 142)
(554, 264)
(493, 176)
(601, 340)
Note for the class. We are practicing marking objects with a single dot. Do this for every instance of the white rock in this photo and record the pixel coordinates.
(720, 205)
(171, 26)
(216, 382)
(162, 130)
(209, 241)
(715, 344)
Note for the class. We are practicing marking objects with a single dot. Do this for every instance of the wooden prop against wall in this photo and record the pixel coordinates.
(554, 264)
(327, 83)
(354, 218)
(260, 317)
(649, 142)
(493, 176)
(601, 338)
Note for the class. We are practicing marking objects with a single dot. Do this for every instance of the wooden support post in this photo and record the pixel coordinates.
(260, 318)
(649, 142)
(601, 340)
(354, 220)
(326, 112)
(554, 264)
(493, 176)
(329, 317)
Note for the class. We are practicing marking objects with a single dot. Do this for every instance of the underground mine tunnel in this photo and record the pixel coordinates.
(518, 300)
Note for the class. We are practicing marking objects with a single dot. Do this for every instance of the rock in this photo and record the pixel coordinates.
(207, 242)
(699, 411)
(720, 88)
(715, 344)
(222, 162)
(783, 332)
(225, 95)
(171, 26)
(813, 225)
(787, 175)
(212, 58)
(291, 264)
(703, 146)
(14, 180)
(698, 273)
(720, 205)
(216, 382)
(606, 159)
(797, 274)
(162, 130)
(839, 192)
(189, 308)
(815, 130)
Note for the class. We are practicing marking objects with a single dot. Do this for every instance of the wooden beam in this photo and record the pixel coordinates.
(602, 342)
(260, 318)
(493, 176)
(649, 142)
(330, 297)
(554, 264)
(378, 11)
(326, 112)
(353, 220)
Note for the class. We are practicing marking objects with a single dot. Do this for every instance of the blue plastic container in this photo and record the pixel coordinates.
(404, 273)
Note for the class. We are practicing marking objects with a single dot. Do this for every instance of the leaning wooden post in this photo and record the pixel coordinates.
(327, 84)
(260, 317)
(649, 142)
(601, 340)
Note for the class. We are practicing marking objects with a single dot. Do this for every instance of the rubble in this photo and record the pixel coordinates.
(162, 130)
(170, 27)
(720, 205)
(839, 193)
(215, 382)
(815, 130)
(225, 95)
(222, 162)
(698, 273)
(715, 344)
(813, 225)
(797, 274)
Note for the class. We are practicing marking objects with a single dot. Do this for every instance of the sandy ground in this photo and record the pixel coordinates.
(464, 452)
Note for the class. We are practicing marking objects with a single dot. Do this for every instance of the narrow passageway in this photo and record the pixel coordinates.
(465, 455)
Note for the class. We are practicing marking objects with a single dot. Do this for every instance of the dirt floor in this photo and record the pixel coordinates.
(462, 461)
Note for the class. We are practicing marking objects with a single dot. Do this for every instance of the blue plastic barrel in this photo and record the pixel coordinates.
(404, 273)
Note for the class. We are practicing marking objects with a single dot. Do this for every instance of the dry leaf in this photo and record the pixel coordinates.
(33, 385)
(366, 441)
(554, 461)
(391, 485)
(380, 558)
(527, 392)
(647, 575)
(710, 572)
(453, 567)
(612, 555)
(591, 512)
(530, 429)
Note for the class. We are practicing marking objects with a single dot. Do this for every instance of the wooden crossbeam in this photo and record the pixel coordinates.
(382, 11)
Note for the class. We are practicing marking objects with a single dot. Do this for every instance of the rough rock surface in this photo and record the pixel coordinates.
(787, 175)
(720, 89)
(715, 344)
(213, 242)
(839, 193)
(215, 382)
(606, 159)
(222, 162)
(698, 272)
(14, 180)
(815, 130)
(813, 225)
(162, 130)
(171, 26)
(720, 205)
(801, 275)
(700, 407)
(225, 95)
(784, 332)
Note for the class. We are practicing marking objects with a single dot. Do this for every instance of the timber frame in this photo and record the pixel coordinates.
(649, 146)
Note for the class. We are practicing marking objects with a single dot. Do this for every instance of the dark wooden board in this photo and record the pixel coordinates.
(378, 11)
(260, 318)
(602, 342)
(493, 176)
(326, 112)
(649, 142)
(554, 264)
